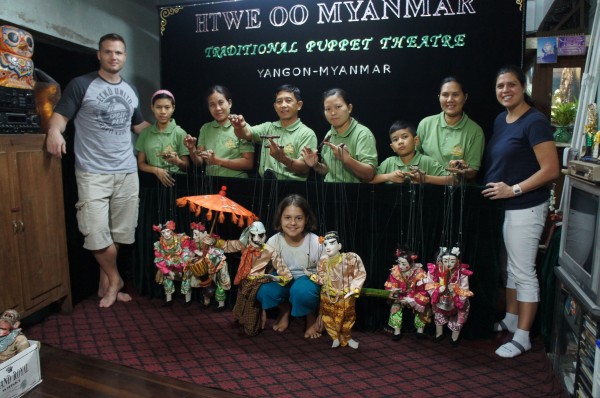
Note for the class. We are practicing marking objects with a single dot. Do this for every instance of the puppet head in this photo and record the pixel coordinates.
(13, 316)
(331, 240)
(257, 234)
(5, 327)
(405, 259)
(198, 232)
(449, 259)
(9, 321)
(166, 230)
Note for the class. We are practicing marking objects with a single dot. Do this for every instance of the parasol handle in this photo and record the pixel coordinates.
(212, 227)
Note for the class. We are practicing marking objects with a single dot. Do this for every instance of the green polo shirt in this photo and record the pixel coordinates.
(464, 140)
(425, 163)
(361, 145)
(293, 138)
(152, 141)
(226, 145)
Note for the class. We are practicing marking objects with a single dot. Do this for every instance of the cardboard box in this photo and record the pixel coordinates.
(21, 373)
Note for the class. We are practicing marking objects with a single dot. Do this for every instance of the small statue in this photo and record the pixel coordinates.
(12, 340)
(16, 66)
(406, 284)
(172, 255)
(448, 287)
(255, 265)
(341, 276)
(209, 269)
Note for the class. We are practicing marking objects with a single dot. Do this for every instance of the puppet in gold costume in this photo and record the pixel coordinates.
(341, 276)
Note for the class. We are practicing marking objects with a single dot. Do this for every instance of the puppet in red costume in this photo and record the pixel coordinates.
(209, 270)
(448, 287)
(406, 284)
(172, 255)
(258, 260)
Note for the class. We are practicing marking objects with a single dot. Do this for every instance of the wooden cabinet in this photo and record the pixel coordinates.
(34, 269)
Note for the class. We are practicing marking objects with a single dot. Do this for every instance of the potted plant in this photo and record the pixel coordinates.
(562, 117)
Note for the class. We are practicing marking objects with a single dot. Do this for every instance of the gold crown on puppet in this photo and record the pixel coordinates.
(16, 66)
(168, 225)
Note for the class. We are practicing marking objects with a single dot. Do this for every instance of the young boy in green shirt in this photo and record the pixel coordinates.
(409, 165)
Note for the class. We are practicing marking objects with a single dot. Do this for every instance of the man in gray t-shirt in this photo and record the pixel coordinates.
(105, 109)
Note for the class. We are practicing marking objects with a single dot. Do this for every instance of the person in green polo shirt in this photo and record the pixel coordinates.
(224, 154)
(281, 142)
(349, 151)
(409, 165)
(450, 137)
(160, 146)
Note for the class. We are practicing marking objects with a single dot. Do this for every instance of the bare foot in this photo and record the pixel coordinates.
(109, 298)
(314, 326)
(121, 296)
(283, 320)
(312, 333)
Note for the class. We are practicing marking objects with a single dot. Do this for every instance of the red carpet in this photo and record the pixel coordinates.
(200, 346)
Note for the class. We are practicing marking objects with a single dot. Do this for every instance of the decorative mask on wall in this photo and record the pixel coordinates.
(16, 66)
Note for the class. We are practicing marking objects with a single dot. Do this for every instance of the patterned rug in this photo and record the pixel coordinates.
(203, 347)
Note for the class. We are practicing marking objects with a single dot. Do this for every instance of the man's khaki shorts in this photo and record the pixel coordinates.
(107, 210)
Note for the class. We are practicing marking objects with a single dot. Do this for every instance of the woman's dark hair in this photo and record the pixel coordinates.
(218, 89)
(520, 75)
(339, 92)
(298, 201)
(454, 79)
(401, 125)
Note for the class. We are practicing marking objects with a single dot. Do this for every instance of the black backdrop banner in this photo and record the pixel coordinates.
(389, 55)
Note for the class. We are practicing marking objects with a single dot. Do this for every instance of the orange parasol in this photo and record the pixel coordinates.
(221, 204)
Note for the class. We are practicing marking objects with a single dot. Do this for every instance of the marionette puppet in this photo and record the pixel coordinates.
(209, 269)
(341, 276)
(448, 287)
(12, 340)
(406, 284)
(256, 263)
(172, 255)
(16, 66)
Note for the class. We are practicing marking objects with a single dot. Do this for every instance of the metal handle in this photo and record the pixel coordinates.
(18, 226)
